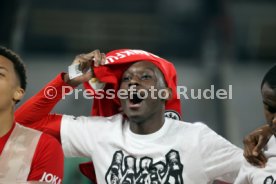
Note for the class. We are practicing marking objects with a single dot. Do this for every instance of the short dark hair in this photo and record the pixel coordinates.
(270, 78)
(18, 65)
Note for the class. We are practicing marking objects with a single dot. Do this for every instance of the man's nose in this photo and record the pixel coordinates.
(134, 81)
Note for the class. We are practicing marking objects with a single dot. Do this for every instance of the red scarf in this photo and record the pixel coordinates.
(110, 73)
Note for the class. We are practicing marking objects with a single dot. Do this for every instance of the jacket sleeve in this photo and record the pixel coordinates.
(35, 112)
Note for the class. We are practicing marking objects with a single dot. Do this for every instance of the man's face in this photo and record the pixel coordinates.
(145, 163)
(141, 76)
(118, 158)
(9, 84)
(130, 162)
(269, 100)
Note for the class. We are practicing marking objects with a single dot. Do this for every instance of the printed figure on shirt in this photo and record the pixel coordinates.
(114, 173)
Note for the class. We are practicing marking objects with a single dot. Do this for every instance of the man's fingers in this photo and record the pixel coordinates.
(87, 76)
(262, 158)
(260, 144)
(253, 150)
(78, 59)
(250, 143)
(97, 57)
(103, 59)
(247, 152)
(255, 161)
(258, 162)
(83, 61)
(254, 144)
(89, 61)
(85, 65)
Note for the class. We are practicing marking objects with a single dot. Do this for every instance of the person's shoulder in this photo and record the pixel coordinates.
(193, 132)
(48, 146)
(93, 122)
(48, 139)
(188, 125)
(187, 128)
(45, 138)
(28, 129)
(48, 142)
(48, 159)
(94, 119)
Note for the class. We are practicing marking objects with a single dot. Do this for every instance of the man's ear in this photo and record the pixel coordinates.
(18, 94)
(166, 94)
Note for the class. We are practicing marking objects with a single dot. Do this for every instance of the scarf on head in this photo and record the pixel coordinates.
(117, 62)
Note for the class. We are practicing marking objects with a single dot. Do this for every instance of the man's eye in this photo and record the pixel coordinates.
(125, 79)
(146, 77)
(271, 109)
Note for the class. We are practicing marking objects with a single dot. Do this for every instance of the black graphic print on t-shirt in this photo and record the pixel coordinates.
(126, 170)
(269, 180)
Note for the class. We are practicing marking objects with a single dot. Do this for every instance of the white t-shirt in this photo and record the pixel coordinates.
(254, 175)
(179, 152)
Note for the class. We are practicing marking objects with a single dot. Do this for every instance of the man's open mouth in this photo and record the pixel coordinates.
(135, 98)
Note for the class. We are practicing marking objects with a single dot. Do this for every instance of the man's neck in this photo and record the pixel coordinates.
(6, 121)
(149, 125)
